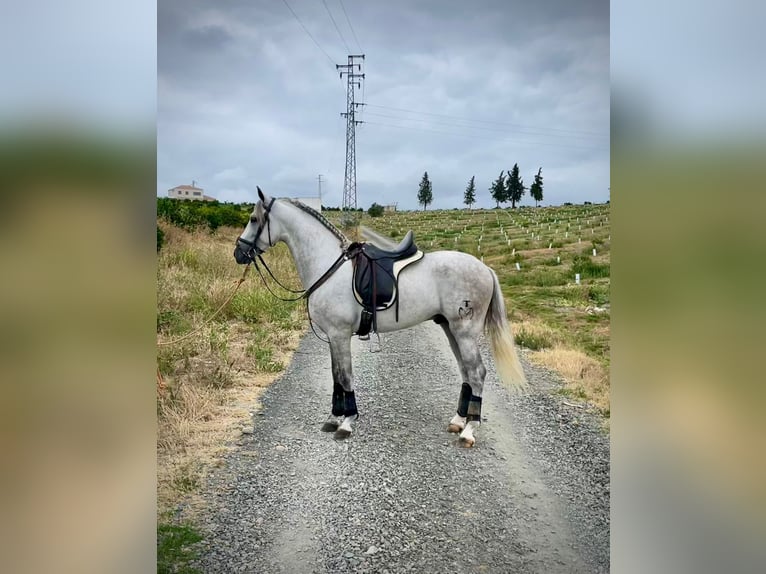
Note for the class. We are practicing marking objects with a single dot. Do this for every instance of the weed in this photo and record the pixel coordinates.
(251, 306)
(586, 267)
(532, 340)
(187, 258)
(187, 480)
(264, 358)
(219, 340)
(598, 294)
(172, 322)
(219, 377)
(537, 278)
(177, 549)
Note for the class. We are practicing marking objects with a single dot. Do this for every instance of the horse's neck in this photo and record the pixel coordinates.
(313, 247)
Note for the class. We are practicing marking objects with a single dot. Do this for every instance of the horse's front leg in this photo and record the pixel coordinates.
(343, 399)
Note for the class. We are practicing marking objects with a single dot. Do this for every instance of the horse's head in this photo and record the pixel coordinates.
(260, 233)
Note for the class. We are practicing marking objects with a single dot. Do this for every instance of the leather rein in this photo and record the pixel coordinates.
(255, 255)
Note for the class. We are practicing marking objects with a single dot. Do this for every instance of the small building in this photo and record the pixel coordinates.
(313, 202)
(391, 207)
(191, 192)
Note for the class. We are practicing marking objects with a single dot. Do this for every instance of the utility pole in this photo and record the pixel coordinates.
(353, 79)
(319, 179)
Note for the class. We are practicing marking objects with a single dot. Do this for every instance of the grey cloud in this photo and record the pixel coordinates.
(245, 93)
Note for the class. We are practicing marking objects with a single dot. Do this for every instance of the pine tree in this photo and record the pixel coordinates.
(497, 190)
(424, 192)
(536, 189)
(470, 193)
(514, 186)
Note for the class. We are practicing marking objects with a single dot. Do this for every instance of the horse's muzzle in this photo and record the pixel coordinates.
(241, 256)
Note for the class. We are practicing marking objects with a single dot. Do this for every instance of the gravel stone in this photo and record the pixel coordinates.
(400, 495)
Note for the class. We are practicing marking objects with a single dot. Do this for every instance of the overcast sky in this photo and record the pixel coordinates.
(455, 88)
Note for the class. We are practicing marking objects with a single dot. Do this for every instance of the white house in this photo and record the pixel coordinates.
(189, 192)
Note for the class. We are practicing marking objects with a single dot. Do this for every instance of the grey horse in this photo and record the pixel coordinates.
(454, 289)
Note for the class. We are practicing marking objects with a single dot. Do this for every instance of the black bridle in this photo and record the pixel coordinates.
(254, 254)
(254, 250)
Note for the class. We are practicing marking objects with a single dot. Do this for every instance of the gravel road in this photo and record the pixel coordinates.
(400, 495)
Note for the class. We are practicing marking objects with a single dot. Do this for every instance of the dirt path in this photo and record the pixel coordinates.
(400, 495)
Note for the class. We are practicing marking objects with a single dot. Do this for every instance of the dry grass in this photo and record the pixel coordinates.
(533, 334)
(584, 377)
(210, 382)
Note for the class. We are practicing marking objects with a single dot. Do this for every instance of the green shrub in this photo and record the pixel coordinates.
(190, 214)
(376, 210)
(160, 238)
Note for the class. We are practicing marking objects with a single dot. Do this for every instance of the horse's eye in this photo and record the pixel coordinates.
(253, 219)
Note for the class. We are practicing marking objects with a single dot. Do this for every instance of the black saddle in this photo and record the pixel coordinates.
(376, 278)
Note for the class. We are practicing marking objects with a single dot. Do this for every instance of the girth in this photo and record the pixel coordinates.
(376, 278)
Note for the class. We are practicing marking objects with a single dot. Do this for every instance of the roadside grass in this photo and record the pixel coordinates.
(587, 378)
(564, 326)
(534, 334)
(177, 548)
(209, 382)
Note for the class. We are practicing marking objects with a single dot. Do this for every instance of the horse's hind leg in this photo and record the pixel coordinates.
(343, 399)
(457, 423)
(469, 405)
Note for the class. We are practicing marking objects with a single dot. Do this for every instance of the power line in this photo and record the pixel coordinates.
(492, 121)
(309, 33)
(474, 136)
(348, 50)
(453, 124)
(350, 26)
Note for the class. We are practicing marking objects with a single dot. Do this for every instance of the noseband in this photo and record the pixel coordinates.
(254, 250)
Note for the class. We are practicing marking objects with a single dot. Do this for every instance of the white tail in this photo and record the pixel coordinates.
(500, 335)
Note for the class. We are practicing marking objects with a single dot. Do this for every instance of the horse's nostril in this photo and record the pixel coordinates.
(239, 255)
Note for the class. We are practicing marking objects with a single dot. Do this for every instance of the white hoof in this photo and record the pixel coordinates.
(344, 430)
(457, 424)
(467, 439)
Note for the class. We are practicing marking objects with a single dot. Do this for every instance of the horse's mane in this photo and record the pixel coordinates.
(320, 218)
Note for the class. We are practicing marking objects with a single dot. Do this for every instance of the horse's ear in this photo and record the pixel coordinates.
(260, 194)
